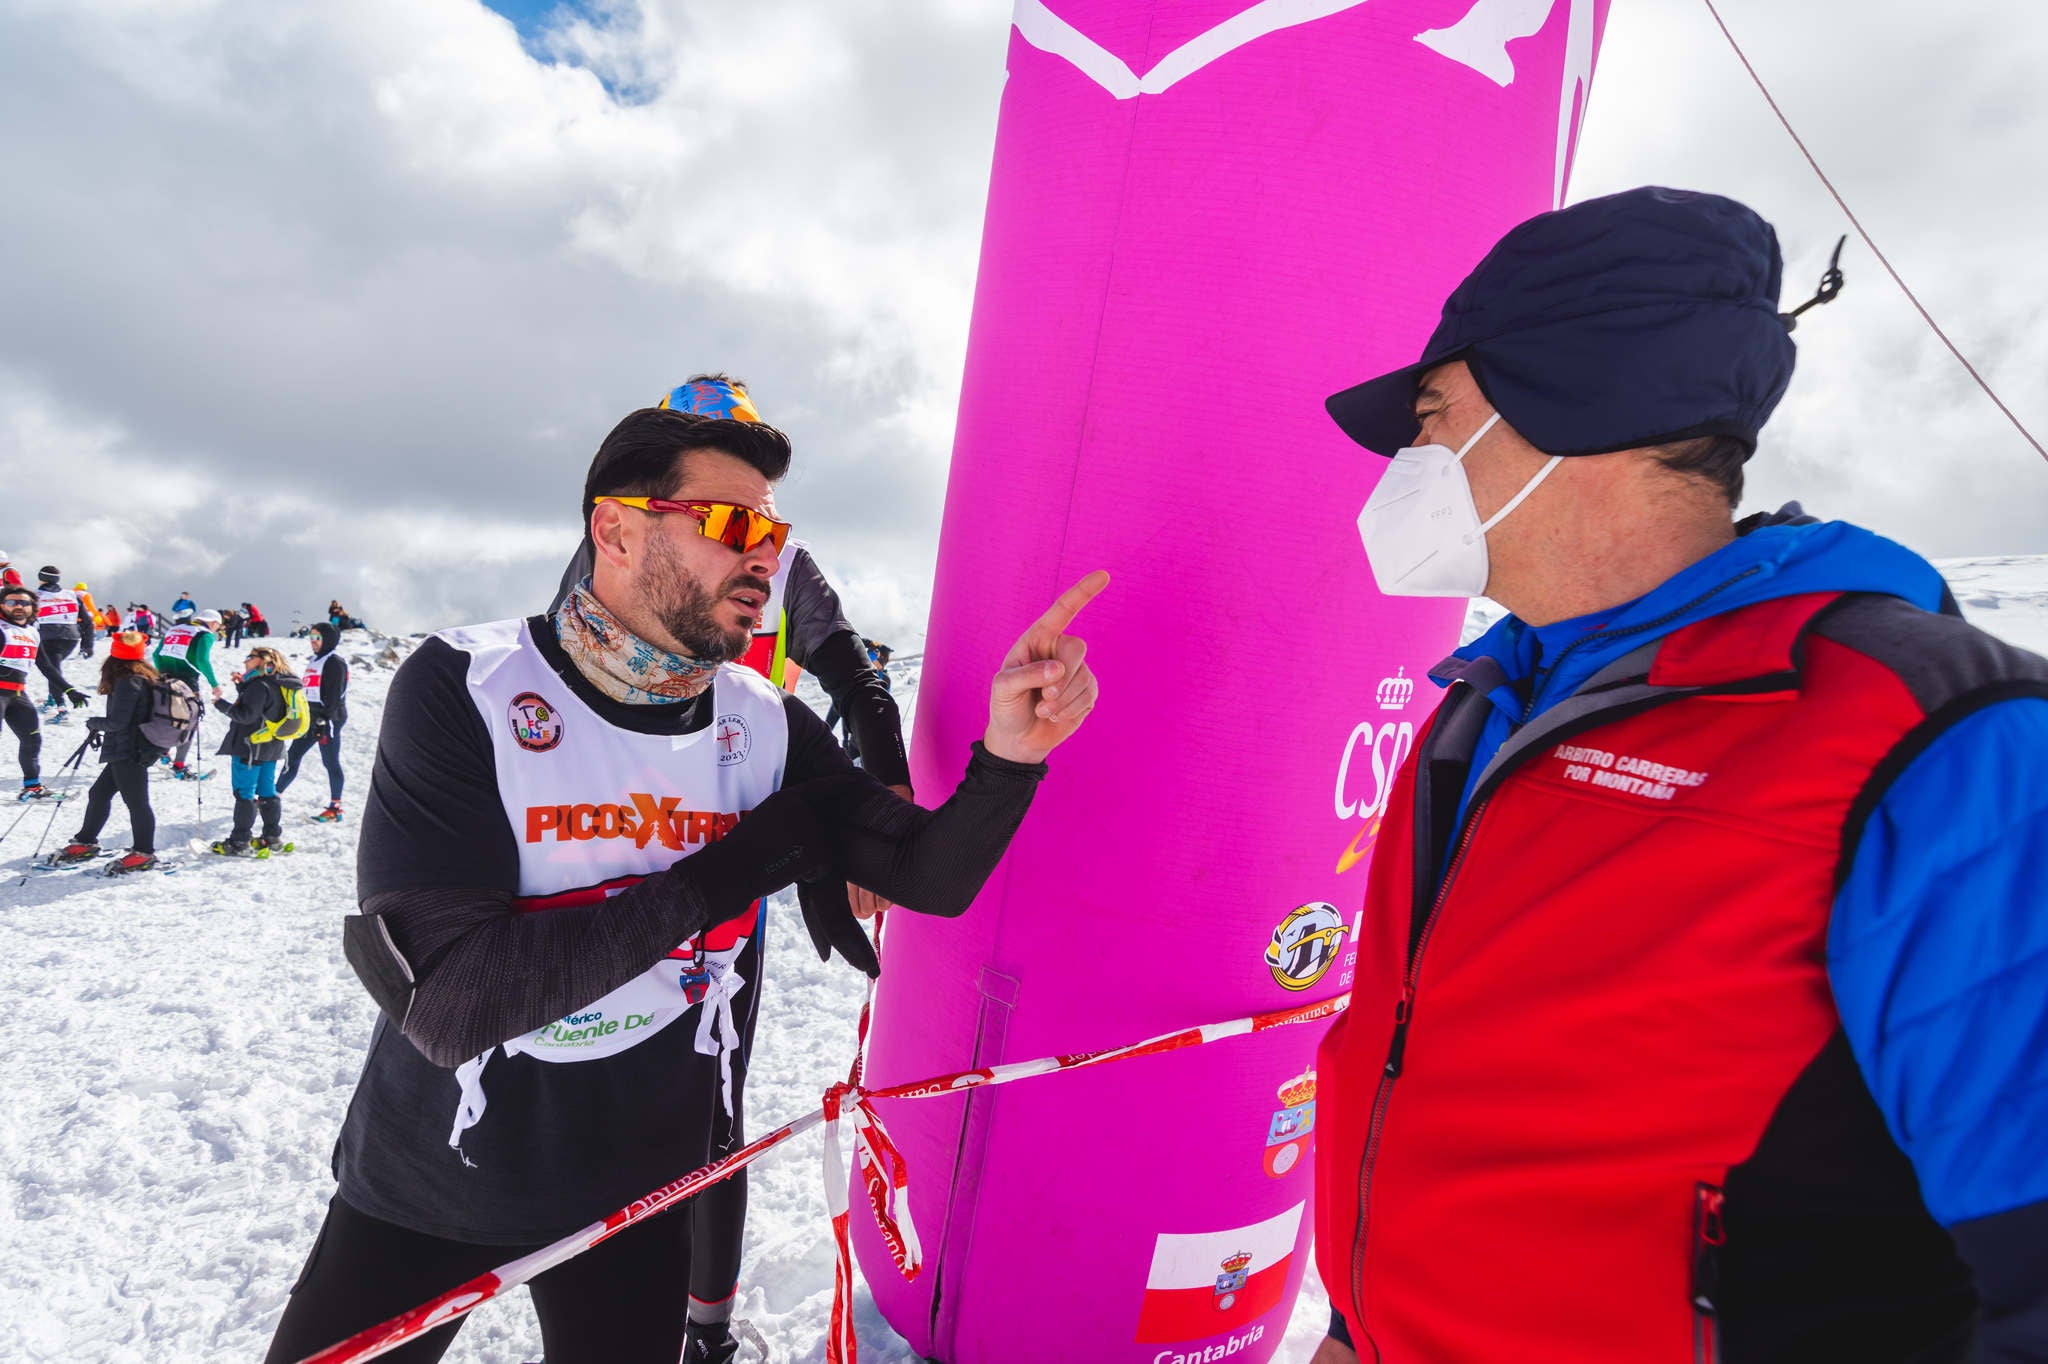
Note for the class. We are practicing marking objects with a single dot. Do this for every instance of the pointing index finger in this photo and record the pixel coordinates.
(1062, 612)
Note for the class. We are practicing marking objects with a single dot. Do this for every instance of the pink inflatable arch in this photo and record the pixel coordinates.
(1205, 215)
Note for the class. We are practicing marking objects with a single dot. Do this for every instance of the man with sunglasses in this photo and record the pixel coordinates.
(574, 821)
(19, 644)
(803, 627)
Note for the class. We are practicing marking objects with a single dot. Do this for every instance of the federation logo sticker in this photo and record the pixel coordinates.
(1305, 945)
(735, 741)
(536, 724)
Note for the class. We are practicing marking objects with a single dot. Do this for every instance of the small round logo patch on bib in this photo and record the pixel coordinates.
(735, 741)
(536, 724)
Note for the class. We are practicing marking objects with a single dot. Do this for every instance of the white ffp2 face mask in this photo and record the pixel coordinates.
(1422, 535)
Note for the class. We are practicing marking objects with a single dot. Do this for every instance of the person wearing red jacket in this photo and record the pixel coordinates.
(1701, 1002)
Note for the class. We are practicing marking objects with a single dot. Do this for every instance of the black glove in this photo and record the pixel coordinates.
(708, 1343)
(95, 724)
(828, 914)
(775, 844)
(95, 737)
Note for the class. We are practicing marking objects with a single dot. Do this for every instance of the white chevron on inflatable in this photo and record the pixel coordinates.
(1480, 40)
(1047, 32)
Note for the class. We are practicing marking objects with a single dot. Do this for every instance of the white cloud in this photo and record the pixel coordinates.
(1924, 121)
(337, 299)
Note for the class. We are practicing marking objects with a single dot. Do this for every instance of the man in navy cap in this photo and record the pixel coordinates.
(1701, 1010)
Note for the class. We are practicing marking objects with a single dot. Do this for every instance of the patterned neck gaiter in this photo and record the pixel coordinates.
(618, 662)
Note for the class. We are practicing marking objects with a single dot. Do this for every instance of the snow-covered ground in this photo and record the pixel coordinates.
(176, 1052)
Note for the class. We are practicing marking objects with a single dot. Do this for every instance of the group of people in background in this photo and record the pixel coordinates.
(158, 677)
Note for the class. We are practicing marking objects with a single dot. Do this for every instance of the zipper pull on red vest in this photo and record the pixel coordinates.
(1403, 1011)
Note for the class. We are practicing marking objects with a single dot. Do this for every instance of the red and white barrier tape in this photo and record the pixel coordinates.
(884, 1174)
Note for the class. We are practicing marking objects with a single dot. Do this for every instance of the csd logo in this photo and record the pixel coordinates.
(1305, 945)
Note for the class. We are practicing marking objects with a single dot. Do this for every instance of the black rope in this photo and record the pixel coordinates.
(1854, 222)
(1830, 285)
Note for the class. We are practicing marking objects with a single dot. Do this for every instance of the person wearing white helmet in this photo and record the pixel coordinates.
(186, 653)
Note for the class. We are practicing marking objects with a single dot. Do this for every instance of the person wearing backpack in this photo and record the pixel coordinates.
(140, 704)
(186, 653)
(268, 712)
(326, 689)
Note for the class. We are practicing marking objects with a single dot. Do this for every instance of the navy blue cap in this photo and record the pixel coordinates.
(1636, 319)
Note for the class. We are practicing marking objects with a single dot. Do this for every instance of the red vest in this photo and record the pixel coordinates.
(1553, 1061)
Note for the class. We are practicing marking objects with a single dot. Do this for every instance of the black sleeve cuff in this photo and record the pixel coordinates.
(2008, 1253)
(985, 761)
(1339, 1331)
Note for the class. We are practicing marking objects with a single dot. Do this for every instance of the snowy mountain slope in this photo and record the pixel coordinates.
(176, 1052)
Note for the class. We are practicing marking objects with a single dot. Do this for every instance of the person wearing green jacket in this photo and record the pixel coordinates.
(186, 653)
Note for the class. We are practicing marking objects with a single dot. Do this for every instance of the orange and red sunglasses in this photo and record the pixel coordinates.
(734, 526)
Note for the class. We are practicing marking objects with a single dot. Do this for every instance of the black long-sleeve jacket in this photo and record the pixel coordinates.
(258, 700)
(128, 708)
(437, 870)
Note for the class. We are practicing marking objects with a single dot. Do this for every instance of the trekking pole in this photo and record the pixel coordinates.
(27, 808)
(199, 786)
(199, 790)
(71, 766)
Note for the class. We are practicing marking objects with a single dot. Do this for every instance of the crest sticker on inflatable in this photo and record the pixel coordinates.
(1289, 1129)
(1211, 1283)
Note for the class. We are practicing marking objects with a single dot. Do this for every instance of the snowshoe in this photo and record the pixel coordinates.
(229, 847)
(331, 815)
(131, 861)
(38, 792)
(187, 774)
(271, 847)
(74, 852)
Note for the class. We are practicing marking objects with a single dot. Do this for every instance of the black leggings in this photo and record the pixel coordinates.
(131, 779)
(621, 1303)
(28, 727)
(330, 756)
(50, 663)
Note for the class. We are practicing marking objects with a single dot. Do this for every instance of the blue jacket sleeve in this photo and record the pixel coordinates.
(1938, 955)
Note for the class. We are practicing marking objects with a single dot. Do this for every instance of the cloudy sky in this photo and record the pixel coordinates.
(302, 299)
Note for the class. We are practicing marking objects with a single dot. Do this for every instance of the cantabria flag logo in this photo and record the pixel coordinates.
(1207, 1283)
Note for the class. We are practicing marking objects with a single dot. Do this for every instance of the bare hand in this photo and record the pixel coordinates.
(1333, 1351)
(1044, 689)
(866, 904)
